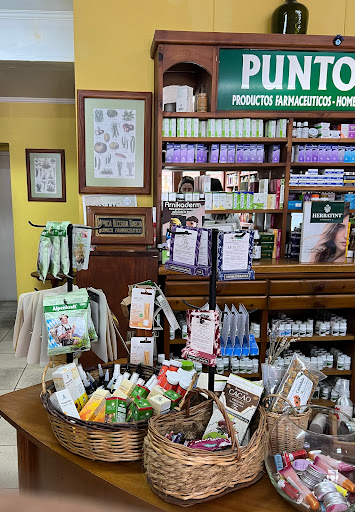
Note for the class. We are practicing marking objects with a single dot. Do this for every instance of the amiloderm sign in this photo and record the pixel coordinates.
(285, 80)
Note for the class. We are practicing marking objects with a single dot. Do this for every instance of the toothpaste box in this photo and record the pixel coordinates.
(211, 128)
(214, 153)
(180, 127)
(218, 128)
(259, 128)
(225, 127)
(308, 152)
(165, 127)
(229, 201)
(246, 127)
(172, 127)
(67, 377)
(239, 152)
(64, 403)
(215, 201)
(239, 127)
(208, 200)
(260, 153)
(202, 130)
(246, 153)
(236, 200)
(183, 153)
(253, 152)
(241, 399)
(188, 127)
(253, 127)
(190, 153)
(169, 155)
(231, 153)
(177, 153)
(195, 127)
(232, 128)
(223, 153)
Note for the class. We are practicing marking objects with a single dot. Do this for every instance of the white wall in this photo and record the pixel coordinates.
(7, 252)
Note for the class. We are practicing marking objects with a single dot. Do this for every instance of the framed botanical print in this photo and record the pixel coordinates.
(114, 142)
(46, 175)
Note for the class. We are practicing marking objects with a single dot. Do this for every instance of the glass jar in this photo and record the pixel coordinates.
(290, 18)
(290, 442)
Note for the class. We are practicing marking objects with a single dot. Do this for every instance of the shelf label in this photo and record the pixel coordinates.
(285, 80)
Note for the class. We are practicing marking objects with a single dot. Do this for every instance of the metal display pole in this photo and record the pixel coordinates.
(212, 299)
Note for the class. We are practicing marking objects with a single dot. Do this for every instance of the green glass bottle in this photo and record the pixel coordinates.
(290, 18)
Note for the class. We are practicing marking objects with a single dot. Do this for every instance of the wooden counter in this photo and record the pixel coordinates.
(46, 466)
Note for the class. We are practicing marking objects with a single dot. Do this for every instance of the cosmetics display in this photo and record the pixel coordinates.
(302, 130)
(234, 128)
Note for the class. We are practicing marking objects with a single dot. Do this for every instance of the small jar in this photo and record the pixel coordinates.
(220, 366)
(322, 329)
(287, 329)
(334, 395)
(184, 331)
(242, 366)
(309, 329)
(249, 367)
(256, 330)
(320, 362)
(330, 361)
(282, 328)
(327, 326)
(347, 363)
(295, 329)
(316, 393)
(335, 328)
(235, 365)
(342, 328)
(303, 329)
(172, 333)
(341, 363)
(324, 393)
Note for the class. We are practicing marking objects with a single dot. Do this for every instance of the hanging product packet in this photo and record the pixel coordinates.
(54, 265)
(64, 248)
(81, 247)
(44, 255)
(67, 321)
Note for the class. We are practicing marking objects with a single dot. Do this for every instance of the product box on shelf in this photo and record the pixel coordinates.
(225, 127)
(169, 156)
(180, 127)
(223, 153)
(188, 127)
(177, 153)
(260, 200)
(231, 153)
(232, 128)
(246, 127)
(236, 200)
(214, 153)
(218, 128)
(211, 128)
(166, 123)
(202, 131)
(239, 127)
(172, 127)
(195, 127)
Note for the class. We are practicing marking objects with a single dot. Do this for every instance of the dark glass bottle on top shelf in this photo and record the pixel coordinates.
(290, 18)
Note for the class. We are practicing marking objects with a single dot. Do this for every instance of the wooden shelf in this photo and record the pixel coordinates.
(255, 210)
(321, 165)
(322, 402)
(319, 140)
(334, 371)
(232, 140)
(348, 337)
(321, 188)
(220, 167)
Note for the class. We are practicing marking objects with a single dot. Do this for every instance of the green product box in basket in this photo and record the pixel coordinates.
(140, 409)
(115, 410)
(173, 396)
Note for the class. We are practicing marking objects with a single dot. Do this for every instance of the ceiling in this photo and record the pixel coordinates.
(37, 79)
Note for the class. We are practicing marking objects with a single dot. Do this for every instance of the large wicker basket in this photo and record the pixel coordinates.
(186, 476)
(282, 439)
(120, 442)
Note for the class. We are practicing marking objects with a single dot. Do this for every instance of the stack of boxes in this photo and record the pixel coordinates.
(318, 178)
(267, 241)
(322, 153)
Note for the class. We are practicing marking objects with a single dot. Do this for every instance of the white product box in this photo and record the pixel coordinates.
(166, 127)
(172, 127)
(195, 128)
(253, 128)
(259, 128)
(218, 129)
(180, 127)
(208, 200)
(246, 127)
(270, 128)
(232, 128)
(263, 186)
(215, 201)
(184, 99)
(239, 127)
(188, 127)
(202, 130)
(67, 377)
(223, 200)
(64, 403)
(229, 201)
(211, 128)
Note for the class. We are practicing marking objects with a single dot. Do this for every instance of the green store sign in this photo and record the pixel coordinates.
(282, 80)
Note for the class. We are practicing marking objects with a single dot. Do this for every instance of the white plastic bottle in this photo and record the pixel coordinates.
(299, 130)
(344, 404)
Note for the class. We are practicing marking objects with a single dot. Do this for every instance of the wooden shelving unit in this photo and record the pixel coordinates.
(218, 167)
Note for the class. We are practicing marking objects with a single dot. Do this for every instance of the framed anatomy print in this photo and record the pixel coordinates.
(114, 142)
(45, 174)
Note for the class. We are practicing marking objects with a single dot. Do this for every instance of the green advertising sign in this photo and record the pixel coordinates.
(284, 80)
(330, 212)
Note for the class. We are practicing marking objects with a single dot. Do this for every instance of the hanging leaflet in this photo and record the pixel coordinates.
(142, 308)
(234, 256)
(142, 350)
(203, 342)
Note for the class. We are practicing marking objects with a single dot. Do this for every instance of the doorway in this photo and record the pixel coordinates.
(7, 250)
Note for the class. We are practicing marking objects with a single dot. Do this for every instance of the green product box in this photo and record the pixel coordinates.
(236, 200)
(232, 127)
(243, 200)
(225, 127)
(180, 127)
(267, 237)
(166, 124)
(172, 127)
(115, 410)
(247, 127)
(218, 127)
(267, 246)
(195, 128)
(211, 127)
(139, 391)
(266, 254)
(173, 397)
(259, 128)
(188, 127)
(141, 409)
(239, 127)
(250, 200)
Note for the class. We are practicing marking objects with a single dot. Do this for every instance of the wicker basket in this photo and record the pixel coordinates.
(186, 476)
(281, 439)
(120, 442)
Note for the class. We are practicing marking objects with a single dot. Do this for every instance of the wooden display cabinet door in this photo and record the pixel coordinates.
(112, 272)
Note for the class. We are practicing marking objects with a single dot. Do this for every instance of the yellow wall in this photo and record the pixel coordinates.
(37, 126)
(112, 39)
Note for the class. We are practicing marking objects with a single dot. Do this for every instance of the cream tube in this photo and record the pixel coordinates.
(290, 475)
(334, 463)
(334, 475)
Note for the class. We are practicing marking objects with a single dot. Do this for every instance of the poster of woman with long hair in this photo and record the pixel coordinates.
(324, 240)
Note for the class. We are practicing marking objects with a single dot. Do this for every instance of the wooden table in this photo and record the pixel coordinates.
(44, 465)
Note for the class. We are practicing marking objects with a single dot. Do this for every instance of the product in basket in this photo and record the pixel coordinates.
(94, 405)
(115, 410)
(67, 377)
(297, 385)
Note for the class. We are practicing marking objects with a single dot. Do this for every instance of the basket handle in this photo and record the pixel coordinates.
(281, 398)
(44, 388)
(230, 428)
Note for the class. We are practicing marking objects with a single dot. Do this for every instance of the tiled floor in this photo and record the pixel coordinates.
(14, 374)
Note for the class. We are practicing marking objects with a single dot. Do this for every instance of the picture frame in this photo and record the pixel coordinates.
(46, 175)
(114, 142)
(120, 224)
